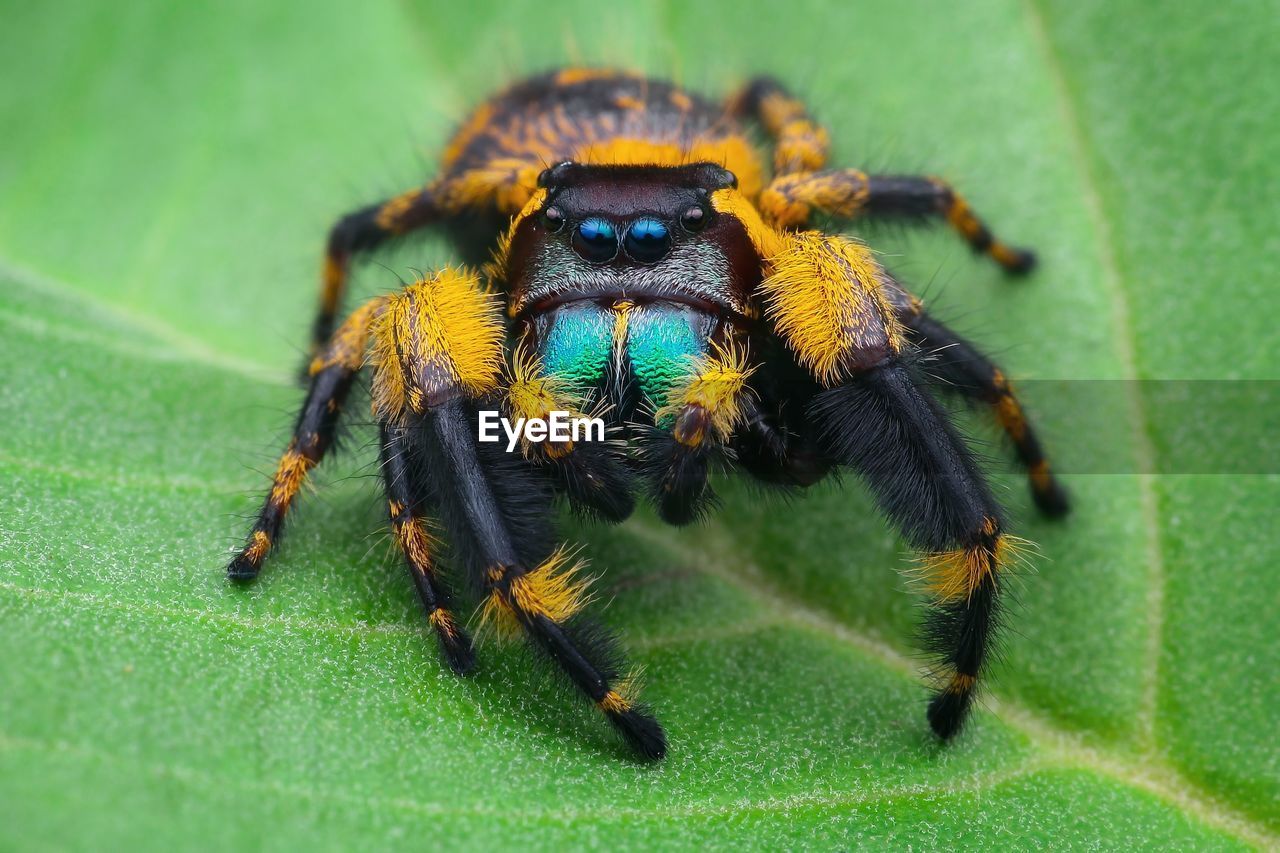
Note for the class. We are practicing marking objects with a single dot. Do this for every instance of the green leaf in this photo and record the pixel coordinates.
(168, 173)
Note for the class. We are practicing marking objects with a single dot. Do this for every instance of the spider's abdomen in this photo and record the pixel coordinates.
(599, 116)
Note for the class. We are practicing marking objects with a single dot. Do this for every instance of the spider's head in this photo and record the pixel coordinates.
(622, 272)
(634, 234)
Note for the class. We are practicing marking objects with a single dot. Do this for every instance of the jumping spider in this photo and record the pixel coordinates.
(646, 264)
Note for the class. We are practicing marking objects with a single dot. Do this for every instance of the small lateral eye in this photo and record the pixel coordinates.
(648, 240)
(693, 219)
(554, 218)
(596, 240)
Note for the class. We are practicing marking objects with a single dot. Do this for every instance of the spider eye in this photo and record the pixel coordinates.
(693, 219)
(554, 219)
(648, 240)
(596, 240)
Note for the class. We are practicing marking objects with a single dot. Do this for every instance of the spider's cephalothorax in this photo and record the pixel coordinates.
(658, 275)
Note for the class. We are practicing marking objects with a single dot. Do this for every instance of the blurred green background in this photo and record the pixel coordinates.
(167, 174)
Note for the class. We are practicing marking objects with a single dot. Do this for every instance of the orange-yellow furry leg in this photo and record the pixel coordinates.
(882, 423)
(838, 312)
(793, 198)
(409, 528)
(976, 233)
(361, 231)
(833, 304)
(332, 373)
(848, 193)
(790, 201)
(545, 603)
(963, 369)
(439, 339)
(965, 583)
(438, 359)
(800, 143)
(503, 184)
(498, 512)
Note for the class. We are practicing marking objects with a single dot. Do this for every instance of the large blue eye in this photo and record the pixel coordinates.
(648, 240)
(596, 240)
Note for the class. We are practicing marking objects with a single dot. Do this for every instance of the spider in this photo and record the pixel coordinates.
(651, 264)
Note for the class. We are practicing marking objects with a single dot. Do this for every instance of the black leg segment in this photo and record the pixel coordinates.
(912, 197)
(495, 505)
(966, 371)
(885, 427)
(409, 527)
(358, 232)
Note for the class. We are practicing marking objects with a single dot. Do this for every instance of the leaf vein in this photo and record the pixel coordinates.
(182, 343)
(973, 784)
(1061, 748)
(1126, 351)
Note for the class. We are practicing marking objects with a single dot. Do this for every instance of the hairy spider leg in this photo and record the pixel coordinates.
(802, 188)
(883, 425)
(790, 201)
(968, 372)
(494, 513)
(502, 185)
(438, 351)
(765, 448)
(834, 307)
(800, 144)
(332, 373)
(409, 526)
(358, 232)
